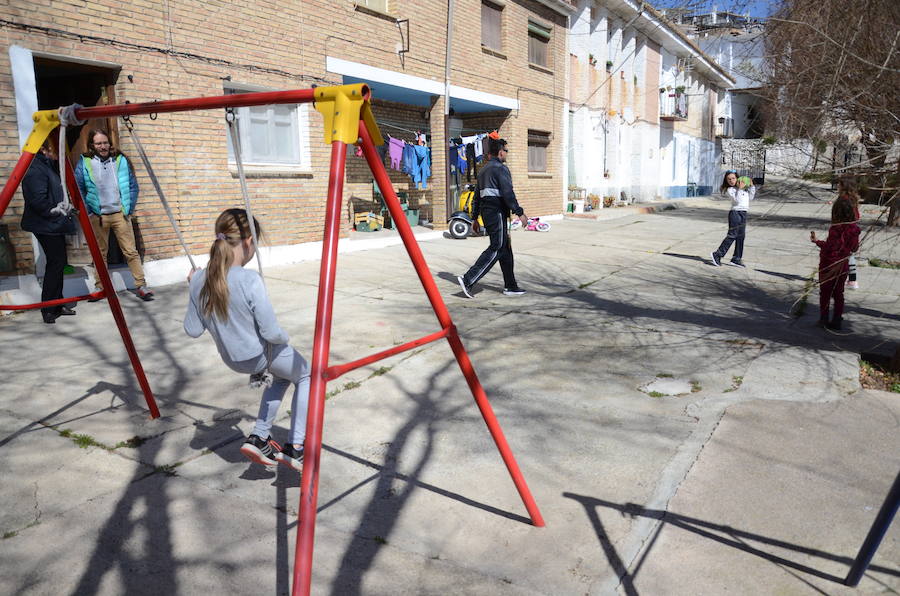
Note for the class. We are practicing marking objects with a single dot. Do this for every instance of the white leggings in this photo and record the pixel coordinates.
(287, 367)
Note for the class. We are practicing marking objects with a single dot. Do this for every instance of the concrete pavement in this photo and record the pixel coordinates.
(681, 430)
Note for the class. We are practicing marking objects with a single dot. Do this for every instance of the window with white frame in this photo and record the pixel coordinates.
(538, 42)
(377, 5)
(491, 25)
(271, 135)
(538, 141)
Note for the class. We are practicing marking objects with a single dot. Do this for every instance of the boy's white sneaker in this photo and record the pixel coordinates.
(465, 288)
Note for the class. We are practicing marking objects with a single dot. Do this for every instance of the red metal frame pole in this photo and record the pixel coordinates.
(312, 450)
(443, 315)
(198, 103)
(111, 297)
(14, 180)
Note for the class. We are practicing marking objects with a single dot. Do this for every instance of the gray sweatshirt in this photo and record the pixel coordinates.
(107, 182)
(251, 319)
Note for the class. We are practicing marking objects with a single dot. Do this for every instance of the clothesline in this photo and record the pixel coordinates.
(383, 124)
(424, 129)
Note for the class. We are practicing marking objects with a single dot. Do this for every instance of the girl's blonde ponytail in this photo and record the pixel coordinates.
(231, 229)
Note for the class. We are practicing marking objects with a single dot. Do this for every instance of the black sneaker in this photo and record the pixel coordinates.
(716, 260)
(516, 291)
(291, 457)
(835, 324)
(258, 451)
(465, 288)
(738, 264)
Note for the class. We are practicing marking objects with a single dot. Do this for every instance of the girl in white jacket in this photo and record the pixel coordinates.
(741, 194)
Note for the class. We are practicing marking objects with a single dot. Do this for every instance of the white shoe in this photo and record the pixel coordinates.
(853, 285)
(465, 289)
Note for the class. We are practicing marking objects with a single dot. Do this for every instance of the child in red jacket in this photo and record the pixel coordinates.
(842, 241)
(847, 192)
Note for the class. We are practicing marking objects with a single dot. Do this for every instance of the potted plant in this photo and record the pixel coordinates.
(608, 65)
(595, 201)
(591, 60)
(679, 89)
(609, 201)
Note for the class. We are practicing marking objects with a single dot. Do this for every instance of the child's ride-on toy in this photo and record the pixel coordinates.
(534, 225)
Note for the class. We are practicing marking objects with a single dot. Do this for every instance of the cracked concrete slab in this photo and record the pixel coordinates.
(779, 501)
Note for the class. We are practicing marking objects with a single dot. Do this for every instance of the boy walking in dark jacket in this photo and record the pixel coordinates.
(495, 200)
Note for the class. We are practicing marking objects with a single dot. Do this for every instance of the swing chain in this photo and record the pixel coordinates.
(229, 114)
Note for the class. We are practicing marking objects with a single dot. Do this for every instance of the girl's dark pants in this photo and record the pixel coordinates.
(737, 229)
(498, 250)
(55, 250)
(831, 285)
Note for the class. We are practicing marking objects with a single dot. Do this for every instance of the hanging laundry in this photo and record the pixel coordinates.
(470, 157)
(461, 161)
(409, 159)
(479, 147)
(396, 151)
(422, 166)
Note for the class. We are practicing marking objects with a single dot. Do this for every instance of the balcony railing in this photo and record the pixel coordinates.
(725, 127)
(673, 105)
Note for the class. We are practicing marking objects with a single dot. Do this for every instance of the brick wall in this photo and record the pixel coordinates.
(190, 48)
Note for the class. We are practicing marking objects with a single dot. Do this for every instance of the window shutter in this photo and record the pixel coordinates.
(491, 26)
(538, 40)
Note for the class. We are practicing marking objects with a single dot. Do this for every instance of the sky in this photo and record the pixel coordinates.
(757, 8)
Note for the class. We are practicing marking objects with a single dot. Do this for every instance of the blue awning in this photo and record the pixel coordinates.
(417, 91)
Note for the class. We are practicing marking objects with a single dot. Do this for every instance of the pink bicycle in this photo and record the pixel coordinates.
(534, 225)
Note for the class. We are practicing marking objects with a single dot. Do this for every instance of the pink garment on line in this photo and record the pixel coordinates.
(396, 152)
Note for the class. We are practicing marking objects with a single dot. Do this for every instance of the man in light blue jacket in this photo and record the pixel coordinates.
(110, 190)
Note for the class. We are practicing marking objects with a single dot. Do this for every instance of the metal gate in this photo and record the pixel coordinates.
(750, 161)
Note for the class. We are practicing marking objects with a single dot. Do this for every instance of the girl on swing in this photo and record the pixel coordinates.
(231, 302)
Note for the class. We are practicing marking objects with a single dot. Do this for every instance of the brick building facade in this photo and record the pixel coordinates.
(110, 52)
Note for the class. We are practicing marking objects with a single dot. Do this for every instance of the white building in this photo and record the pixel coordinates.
(642, 105)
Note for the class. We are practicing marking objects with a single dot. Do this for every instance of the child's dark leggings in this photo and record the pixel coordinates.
(831, 286)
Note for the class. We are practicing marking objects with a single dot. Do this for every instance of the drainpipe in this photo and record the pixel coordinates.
(448, 191)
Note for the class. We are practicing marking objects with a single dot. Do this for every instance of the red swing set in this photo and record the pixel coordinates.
(348, 120)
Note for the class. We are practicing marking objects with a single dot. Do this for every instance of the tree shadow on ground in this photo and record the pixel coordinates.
(379, 517)
(723, 534)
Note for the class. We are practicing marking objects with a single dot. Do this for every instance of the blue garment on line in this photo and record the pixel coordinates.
(458, 159)
(422, 167)
(409, 159)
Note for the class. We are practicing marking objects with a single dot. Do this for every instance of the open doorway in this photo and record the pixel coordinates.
(62, 82)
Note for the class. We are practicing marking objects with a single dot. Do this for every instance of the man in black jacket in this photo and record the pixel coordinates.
(495, 200)
(42, 217)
